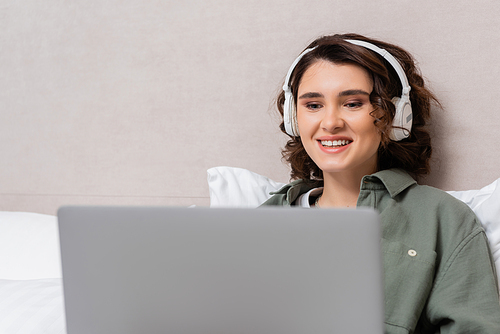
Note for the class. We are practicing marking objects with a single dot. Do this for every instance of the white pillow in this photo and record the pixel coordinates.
(486, 204)
(29, 246)
(236, 187)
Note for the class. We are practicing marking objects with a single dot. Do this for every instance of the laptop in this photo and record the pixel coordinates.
(221, 271)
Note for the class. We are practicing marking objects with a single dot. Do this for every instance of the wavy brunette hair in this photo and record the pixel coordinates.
(411, 154)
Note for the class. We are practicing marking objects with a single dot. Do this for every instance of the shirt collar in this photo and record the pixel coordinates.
(294, 189)
(394, 180)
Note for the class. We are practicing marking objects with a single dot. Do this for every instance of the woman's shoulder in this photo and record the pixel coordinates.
(427, 203)
(434, 207)
(429, 196)
(402, 186)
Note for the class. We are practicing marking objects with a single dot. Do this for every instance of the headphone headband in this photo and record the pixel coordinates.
(390, 58)
(286, 86)
(403, 117)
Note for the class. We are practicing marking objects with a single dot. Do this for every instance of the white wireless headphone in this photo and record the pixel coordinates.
(403, 117)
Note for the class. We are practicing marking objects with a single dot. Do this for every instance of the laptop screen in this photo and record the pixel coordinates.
(200, 270)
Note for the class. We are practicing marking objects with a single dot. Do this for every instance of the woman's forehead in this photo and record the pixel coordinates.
(324, 74)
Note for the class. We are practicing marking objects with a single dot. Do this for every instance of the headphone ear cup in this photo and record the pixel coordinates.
(290, 115)
(403, 119)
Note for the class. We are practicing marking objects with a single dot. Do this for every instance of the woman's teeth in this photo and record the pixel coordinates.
(335, 143)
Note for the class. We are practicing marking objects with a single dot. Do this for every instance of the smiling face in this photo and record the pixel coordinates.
(333, 114)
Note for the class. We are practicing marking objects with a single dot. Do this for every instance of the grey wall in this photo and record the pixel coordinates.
(129, 102)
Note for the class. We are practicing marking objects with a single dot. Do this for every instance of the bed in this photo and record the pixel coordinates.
(131, 103)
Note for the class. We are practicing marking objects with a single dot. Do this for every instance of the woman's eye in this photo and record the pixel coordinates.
(354, 105)
(313, 106)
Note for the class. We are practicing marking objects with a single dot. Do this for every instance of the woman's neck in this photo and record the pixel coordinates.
(341, 189)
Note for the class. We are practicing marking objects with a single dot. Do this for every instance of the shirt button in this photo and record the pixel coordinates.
(412, 252)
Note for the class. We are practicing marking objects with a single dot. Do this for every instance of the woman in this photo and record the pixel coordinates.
(355, 110)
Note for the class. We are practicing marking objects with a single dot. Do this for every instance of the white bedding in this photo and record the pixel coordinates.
(32, 306)
(29, 246)
(31, 295)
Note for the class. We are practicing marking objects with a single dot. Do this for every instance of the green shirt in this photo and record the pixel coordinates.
(439, 274)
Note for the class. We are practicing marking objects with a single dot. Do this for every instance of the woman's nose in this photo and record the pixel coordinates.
(332, 120)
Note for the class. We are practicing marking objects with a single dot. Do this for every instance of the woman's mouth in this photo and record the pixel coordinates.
(335, 143)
